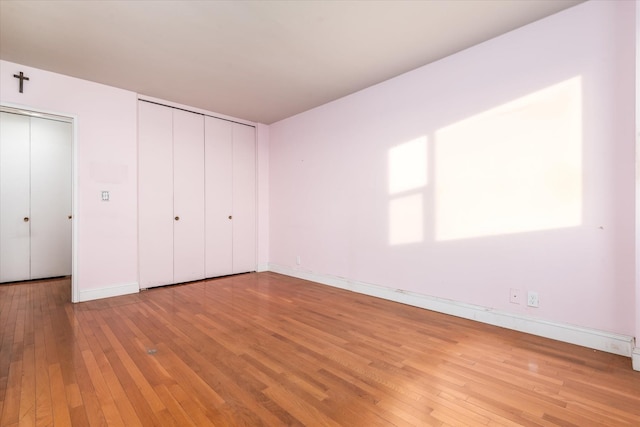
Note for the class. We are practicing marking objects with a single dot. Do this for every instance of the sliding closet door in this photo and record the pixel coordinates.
(14, 197)
(35, 197)
(219, 208)
(244, 198)
(50, 198)
(230, 167)
(200, 172)
(155, 194)
(188, 196)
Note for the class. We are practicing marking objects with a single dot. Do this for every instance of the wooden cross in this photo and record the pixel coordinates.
(22, 78)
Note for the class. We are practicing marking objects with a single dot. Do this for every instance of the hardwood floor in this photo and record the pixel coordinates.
(265, 349)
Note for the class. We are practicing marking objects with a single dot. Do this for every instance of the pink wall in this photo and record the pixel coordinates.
(106, 132)
(507, 165)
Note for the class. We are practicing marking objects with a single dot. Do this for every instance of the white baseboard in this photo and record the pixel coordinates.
(586, 337)
(262, 267)
(111, 291)
(635, 357)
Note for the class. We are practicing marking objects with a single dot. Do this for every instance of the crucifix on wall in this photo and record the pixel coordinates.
(22, 78)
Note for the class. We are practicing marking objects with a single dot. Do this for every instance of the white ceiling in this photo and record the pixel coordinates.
(256, 60)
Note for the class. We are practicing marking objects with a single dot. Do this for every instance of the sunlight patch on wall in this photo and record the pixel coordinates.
(408, 166)
(512, 169)
(407, 180)
(406, 220)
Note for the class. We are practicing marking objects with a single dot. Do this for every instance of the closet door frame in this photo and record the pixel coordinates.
(72, 119)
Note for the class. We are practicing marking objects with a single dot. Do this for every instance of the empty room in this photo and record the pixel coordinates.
(319, 213)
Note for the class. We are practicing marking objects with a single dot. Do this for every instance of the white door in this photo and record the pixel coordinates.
(230, 168)
(14, 197)
(155, 195)
(35, 197)
(219, 202)
(188, 196)
(244, 198)
(50, 198)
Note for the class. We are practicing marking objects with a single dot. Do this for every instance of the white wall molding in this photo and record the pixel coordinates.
(635, 358)
(111, 291)
(586, 337)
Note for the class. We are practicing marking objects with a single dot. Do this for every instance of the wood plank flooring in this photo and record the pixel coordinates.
(265, 349)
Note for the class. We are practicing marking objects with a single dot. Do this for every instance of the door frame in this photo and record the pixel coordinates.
(73, 119)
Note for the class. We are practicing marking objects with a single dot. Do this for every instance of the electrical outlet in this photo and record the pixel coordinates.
(532, 299)
(514, 296)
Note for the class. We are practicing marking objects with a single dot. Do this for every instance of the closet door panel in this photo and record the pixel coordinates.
(14, 197)
(219, 175)
(50, 198)
(244, 198)
(188, 188)
(155, 194)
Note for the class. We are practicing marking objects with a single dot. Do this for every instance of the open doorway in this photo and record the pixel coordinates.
(36, 196)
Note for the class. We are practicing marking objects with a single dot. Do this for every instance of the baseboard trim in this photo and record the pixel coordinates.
(262, 267)
(586, 337)
(111, 291)
(635, 357)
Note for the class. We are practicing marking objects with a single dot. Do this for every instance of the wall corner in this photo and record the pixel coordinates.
(262, 177)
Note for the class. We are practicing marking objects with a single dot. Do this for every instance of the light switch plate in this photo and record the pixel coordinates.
(105, 196)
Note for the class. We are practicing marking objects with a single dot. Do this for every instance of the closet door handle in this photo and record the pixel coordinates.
(230, 216)
(177, 218)
(25, 219)
(69, 216)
